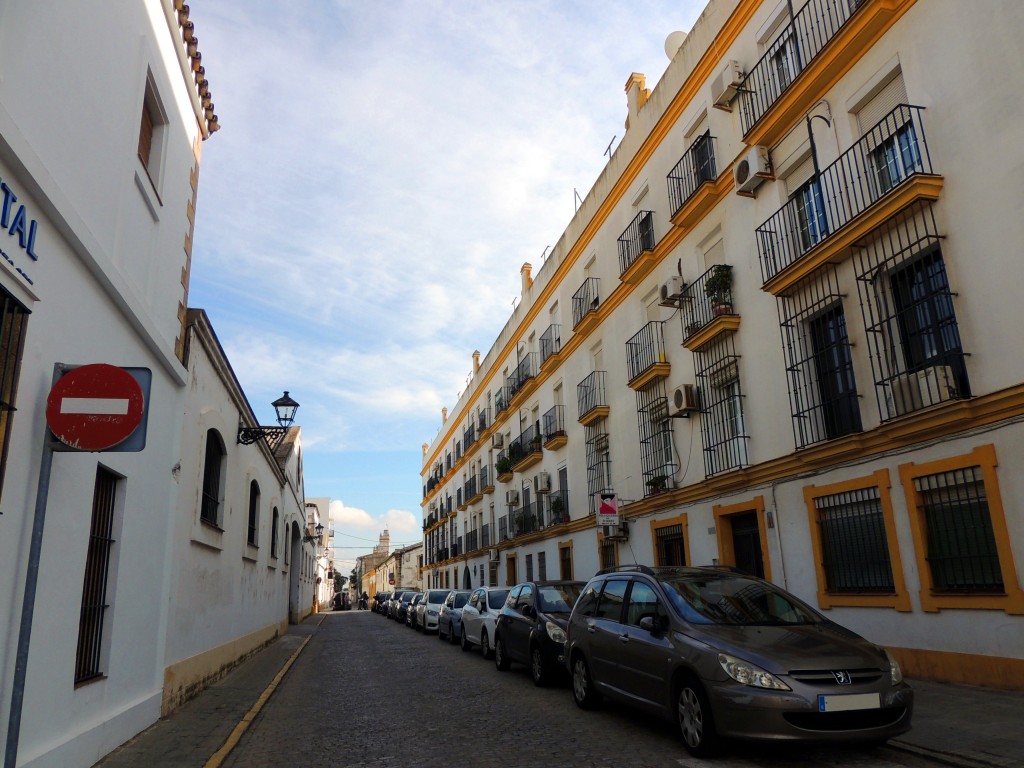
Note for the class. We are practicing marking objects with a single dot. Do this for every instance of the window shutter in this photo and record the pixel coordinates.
(145, 136)
(799, 176)
(882, 103)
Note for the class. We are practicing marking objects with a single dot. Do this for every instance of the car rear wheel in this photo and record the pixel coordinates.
(583, 691)
(451, 633)
(538, 670)
(500, 657)
(696, 724)
(465, 642)
(440, 634)
(485, 647)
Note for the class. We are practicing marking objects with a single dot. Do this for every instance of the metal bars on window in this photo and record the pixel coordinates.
(97, 570)
(913, 339)
(599, 463)
(657, 453)
(550, 342)
(591, 393)
(585, 300)
(696, 167)
(645, 349)
(670, 545)
(554, 422)
(722, 428)
(637, 238)
(854, 546)
(12, 325)
(819, 366)
(811, 28)
(962, 552)
(212, 466)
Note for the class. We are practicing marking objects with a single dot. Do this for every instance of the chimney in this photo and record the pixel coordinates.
(636, 95)
(425, 447)
(476, 360)
(444, 413)
(525, 272)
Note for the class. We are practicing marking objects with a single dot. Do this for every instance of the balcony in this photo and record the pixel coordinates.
(693, 187)
(584, 305)
(888, 170)
(636, 248)
(482, 419)
(645, 356)
(473, 541)
(516, 381)
(555, 435)
(503, 466)
(471, 492)
(556, 508)
(550, 346)
(486, 480)
(459, 503)
(708, 309)
(592, 398)
(525, 450)
(469, 437)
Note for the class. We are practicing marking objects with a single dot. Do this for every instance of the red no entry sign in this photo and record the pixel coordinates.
(94, 407)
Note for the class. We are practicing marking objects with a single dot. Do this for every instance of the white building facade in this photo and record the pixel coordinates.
(765, 338)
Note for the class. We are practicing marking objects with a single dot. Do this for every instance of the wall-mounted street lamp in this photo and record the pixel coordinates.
(285, 408)
(307, 537)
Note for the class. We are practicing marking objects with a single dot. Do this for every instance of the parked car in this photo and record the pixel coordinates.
(380, 602)
(428, 609)
(410, 609)
(393, 602)
(530, 628)
(402, 605)
(730, 655)
(449, 620)
(478, 615)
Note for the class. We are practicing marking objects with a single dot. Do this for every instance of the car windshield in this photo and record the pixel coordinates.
(436, 596)
(558, 598)
(461, 600)
(497, 598)
(734, 599)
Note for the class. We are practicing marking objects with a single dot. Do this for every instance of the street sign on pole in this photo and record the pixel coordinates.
(95, 407)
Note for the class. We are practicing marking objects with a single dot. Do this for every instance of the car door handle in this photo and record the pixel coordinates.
(624, 638)
(591, 628)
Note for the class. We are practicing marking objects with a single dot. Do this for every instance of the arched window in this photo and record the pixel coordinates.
(275, 521)
(254, 512)
(213, 478)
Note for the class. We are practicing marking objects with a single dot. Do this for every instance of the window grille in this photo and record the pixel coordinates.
(97, 569)
(276, 521)
(12, 327)
(565, 562)
(670, 545)
(962, 551)
(657, 454)
(599, 463)
(854, 546)
(212, 468)
(609, 554)
(819, 366)
(254, 512)
(722, 426)
(542, 567)
(529, 567)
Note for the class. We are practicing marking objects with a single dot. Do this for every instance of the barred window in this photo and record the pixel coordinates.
(88, 660)
(542, 567)
(962, 553)
(855, 550)
(565, 562)
(275, 522)
(609, 554)
(529, 567)
(670, 545)
(212, 478)
(254, 513)
(12, 327)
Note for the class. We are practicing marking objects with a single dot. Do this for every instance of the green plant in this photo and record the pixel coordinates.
(718, 286)
(503, 465)
(657, 483)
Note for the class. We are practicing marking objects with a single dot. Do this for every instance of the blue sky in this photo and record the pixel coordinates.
(382, 173)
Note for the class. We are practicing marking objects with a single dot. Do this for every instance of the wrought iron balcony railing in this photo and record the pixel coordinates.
(524, 371)
(585, 300)
(527, 443)
(696, 167)
(701, 306)
(886, 156)
(802, 39)
(590, 393)
(646, 349)
(556, 509)
(550, 342)
(554, 422)
(637, 238)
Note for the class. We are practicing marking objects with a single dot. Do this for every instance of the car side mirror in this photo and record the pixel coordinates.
(653, 624)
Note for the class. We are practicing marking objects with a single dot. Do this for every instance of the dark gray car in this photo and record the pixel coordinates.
(729, 655)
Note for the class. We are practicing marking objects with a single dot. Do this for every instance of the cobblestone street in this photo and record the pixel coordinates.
(367, 691)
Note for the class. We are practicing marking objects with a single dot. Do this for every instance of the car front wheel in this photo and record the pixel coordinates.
(583, 691)
(696, 724)
(485, 647)
(465, 642)
(500, 657)
(538, 670)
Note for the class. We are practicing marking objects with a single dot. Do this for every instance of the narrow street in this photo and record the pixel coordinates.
(368, 691)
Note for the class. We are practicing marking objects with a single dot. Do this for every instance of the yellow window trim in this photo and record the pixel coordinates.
(726, 549)
(984, 457)
(900, 599)
(657, 525)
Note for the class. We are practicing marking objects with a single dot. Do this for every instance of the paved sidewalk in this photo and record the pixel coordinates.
(953, 724)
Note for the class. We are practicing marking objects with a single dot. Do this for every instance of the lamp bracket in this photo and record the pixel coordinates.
(250, 435)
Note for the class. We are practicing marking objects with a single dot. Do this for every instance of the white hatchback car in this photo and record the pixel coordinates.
(478, 617)
(429, 608)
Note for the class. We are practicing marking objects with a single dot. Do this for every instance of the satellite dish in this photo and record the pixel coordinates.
(673, 43)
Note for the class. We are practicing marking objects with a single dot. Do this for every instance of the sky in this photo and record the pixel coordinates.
(382, 172)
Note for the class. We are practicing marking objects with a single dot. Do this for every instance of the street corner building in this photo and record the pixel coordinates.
(773, 337)
(133, 576)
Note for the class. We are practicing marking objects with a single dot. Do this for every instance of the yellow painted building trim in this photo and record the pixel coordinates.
(726, 552)
(640, 268)
(900, 598)
(594, 414)
(186, 678)
(1012, 600)
(965, 668)
(703, 200)
(556, 442)
(656, 525)
(562, 546)
(720, 325)
(656, 371)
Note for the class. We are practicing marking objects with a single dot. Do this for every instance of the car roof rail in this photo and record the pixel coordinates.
(634, 567)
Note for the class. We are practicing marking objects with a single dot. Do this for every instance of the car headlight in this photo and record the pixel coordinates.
(555, 632)
(747, 674)
(895, 673)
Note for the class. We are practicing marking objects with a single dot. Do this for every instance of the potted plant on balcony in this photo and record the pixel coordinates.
(657, 484)
(557, 506)
(503, 465)
(718, 287)
(535, 443)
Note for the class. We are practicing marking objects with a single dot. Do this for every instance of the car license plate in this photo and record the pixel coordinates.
(848, 702)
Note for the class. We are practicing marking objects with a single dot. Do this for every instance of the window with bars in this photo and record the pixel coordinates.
(854, 546)
(722, 424)
(599, 463)
(609, 554)
(275, 522)
(89, 657)
(657, 455)
(529, 567)
(254, 513)
(542, 567)
(670, 545)
(565, 562)
(12, 328)
(213, 486)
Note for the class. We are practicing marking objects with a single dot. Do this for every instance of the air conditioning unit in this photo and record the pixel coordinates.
(684, 401)
(924, 388)
(433, 506)
(618, 532)
(512, 498)
(497, 440)
(672, 290)
(542, 483)
(492, 555)
(752, 169)
(726, 84)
